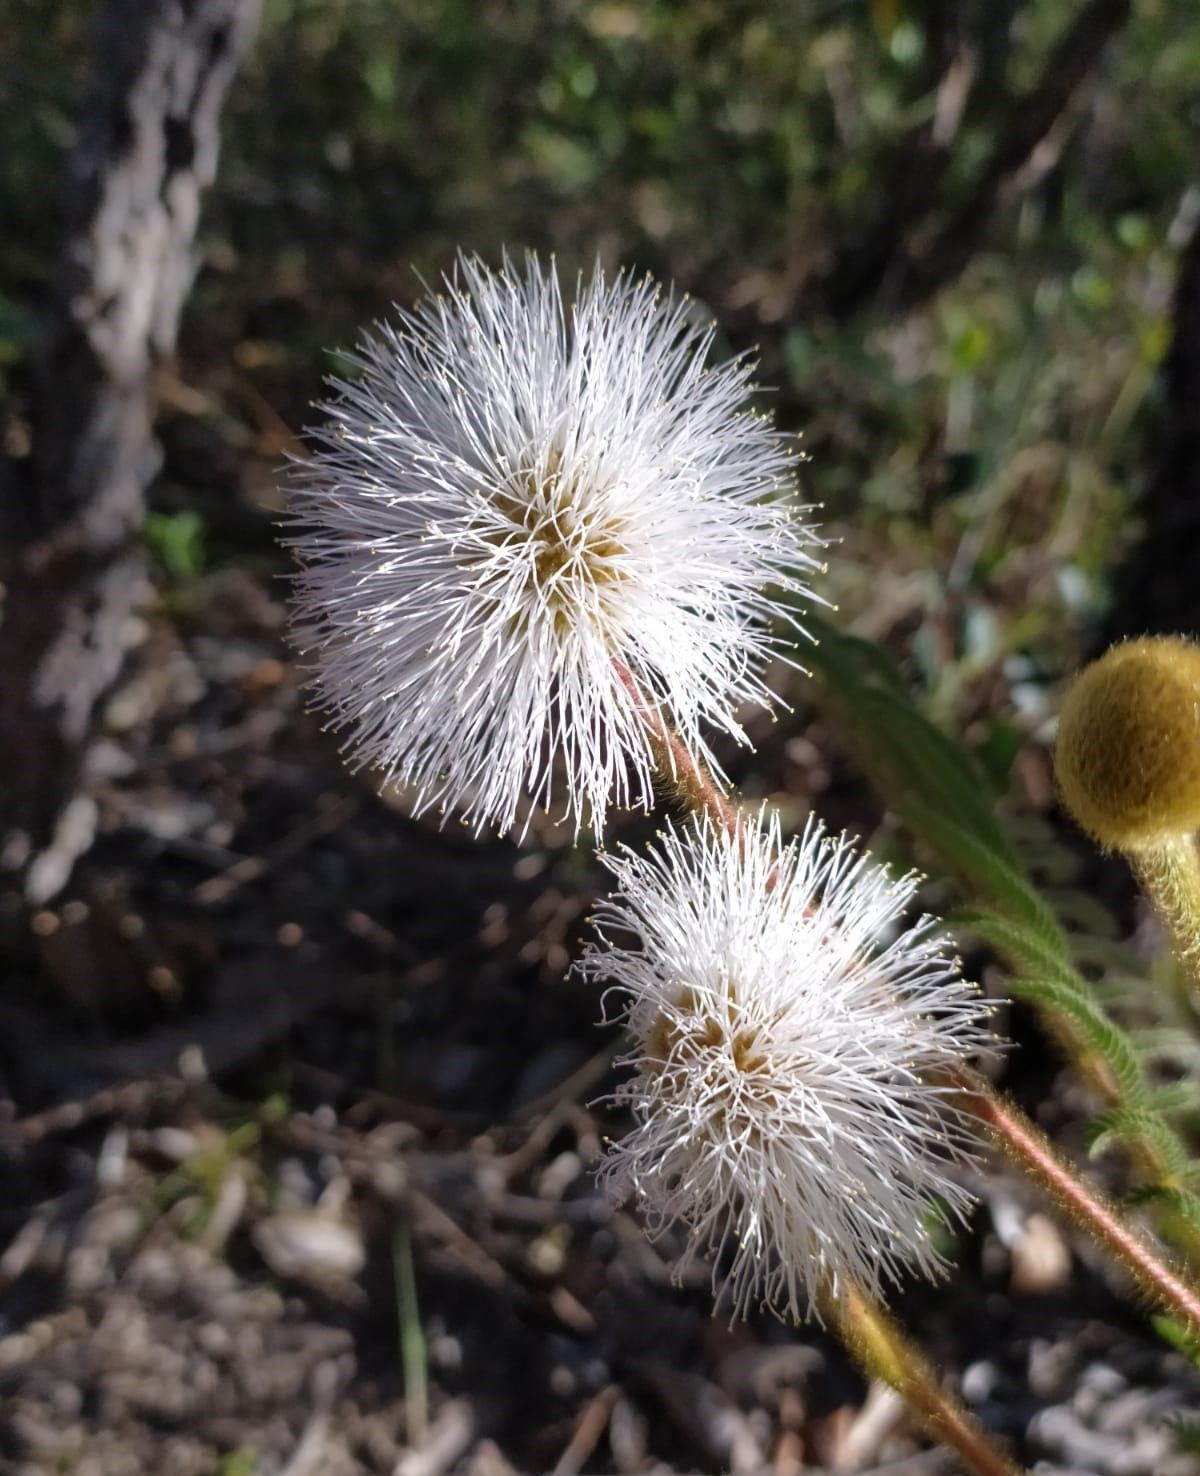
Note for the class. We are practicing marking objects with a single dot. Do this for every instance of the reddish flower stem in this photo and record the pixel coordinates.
(687, 777)
(1031, 1151)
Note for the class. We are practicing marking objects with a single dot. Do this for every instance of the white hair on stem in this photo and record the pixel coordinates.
(512, 502)
(787, 1034)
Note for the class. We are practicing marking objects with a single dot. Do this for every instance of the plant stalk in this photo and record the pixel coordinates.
(1031, 1151)
(1169, 874)
(886, 1352)
(692, 784)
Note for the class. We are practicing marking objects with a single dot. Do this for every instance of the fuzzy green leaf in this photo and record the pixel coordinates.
(1024, 949)
(935, 769)
(988, 873)
(1176, 1096)
(1108, 1040)
(890, 733)
(1179, 1201)
(1129, 1125)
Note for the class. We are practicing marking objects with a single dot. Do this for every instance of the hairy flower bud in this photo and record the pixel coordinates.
(1127, 758)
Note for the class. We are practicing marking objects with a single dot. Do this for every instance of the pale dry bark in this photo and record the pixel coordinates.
(71, 570)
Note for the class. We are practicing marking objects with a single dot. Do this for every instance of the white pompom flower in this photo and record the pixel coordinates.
(523, 519)
(787, 1031)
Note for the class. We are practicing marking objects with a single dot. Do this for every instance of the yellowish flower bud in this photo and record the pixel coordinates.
(1128, 753)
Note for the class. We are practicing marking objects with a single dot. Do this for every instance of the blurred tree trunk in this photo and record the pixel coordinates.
(920, 242)
(1155, 592)
(72, 510)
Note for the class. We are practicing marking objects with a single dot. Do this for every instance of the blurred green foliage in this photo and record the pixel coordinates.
(240, 1462)
(177, 542)
(980, 450)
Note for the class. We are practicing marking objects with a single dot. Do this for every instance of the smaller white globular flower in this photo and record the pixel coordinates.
(788, 1032)
(525, 524)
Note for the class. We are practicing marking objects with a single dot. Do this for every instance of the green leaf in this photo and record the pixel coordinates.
(1179, 1201)
(1023, 948)
(933, 766)
(976, 863)
(999, 749)
(1109, 1041)
(1185, 1341)
(1176, 1096)
(848, 665)
(1131, 1125)
(885, 721)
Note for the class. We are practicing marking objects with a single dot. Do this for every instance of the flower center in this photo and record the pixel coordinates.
(553, 536)
(695, 1033)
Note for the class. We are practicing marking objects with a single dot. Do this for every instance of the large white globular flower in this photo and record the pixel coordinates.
(787, 1035)
(527, 524)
